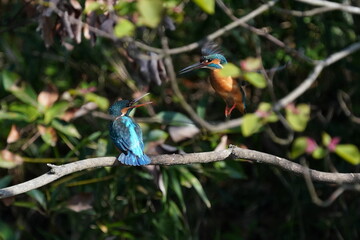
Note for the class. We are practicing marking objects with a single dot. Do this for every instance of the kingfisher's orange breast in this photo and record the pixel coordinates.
(227, 88)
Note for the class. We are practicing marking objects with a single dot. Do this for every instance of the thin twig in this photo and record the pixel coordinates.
(341, 98)
(306, 84)
(315, 198)
(308, 13)
(338, 6)
(263, 33)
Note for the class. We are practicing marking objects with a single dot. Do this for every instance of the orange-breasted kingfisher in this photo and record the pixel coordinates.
(227, 87)
(126, 133)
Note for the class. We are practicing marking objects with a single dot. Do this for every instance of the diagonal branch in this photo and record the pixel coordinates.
(338, 6)
(306, 84)
(233, 152)
(213, 35)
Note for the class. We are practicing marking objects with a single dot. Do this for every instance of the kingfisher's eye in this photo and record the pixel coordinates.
(206, 60)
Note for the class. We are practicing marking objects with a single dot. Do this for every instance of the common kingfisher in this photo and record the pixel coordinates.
(227, 87)
(126, 133)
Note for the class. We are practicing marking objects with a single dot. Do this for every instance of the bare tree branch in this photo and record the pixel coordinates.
(263, 33)
(307, 13)
(213, 35)
(58, 171)
(339, 6)
(306, 84)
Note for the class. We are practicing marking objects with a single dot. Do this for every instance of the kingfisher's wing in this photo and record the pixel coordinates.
(125, 134)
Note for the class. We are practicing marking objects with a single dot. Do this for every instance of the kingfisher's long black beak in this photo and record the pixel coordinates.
(192, 67)
(138, 99)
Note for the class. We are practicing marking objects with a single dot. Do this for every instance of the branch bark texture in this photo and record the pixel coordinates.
(58, 171)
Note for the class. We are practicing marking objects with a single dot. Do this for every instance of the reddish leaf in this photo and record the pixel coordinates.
(81, 202)
(333, 143)
(14, 134)
(311, 145)
(48, 96)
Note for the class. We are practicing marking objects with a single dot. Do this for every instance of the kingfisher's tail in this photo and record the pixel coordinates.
(129, 158)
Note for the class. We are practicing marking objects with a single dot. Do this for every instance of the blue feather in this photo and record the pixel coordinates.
(127, 136)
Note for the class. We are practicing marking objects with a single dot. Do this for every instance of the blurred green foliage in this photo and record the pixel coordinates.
(52, 99)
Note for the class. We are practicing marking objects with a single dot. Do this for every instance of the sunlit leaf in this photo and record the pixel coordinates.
(326, 139)
(298, 147)
(102, 102)
(255, 79)
(91, 6)
(66, 128)
(349, 153)
(230, 70)
(150, 12)
(265, 106)
(54, 111)
(22, 90)
(12, 116)
(30, 112)
(124, 28)
(207, 6)
(173, 118)
(299, 117)
(251, 124)
(38, 196)
(251, 64)
(196, 185)
(48, 134)
(319, 153)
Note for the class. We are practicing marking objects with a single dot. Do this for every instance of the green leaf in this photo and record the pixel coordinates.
(348, 152)
(298, 147)
(251, 124)
(9, 79)
(30, 112)
(298, 120)
(255, 79)
(264, 106)
(93, 6)
(251, 64)
(207, 6)
(7, 233)
(48, 135)
(196, 185)
(175, 185)
(55, 111)
(38, 196)
(173, 118)
(230, 70)
(156, 135)
(5, 181)
(150, 12)
(202, 106)
(13, 116)
(102, 102)
(66, 128)
(326, 139)
(124, 28)
(319, 153)
(24, 92)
